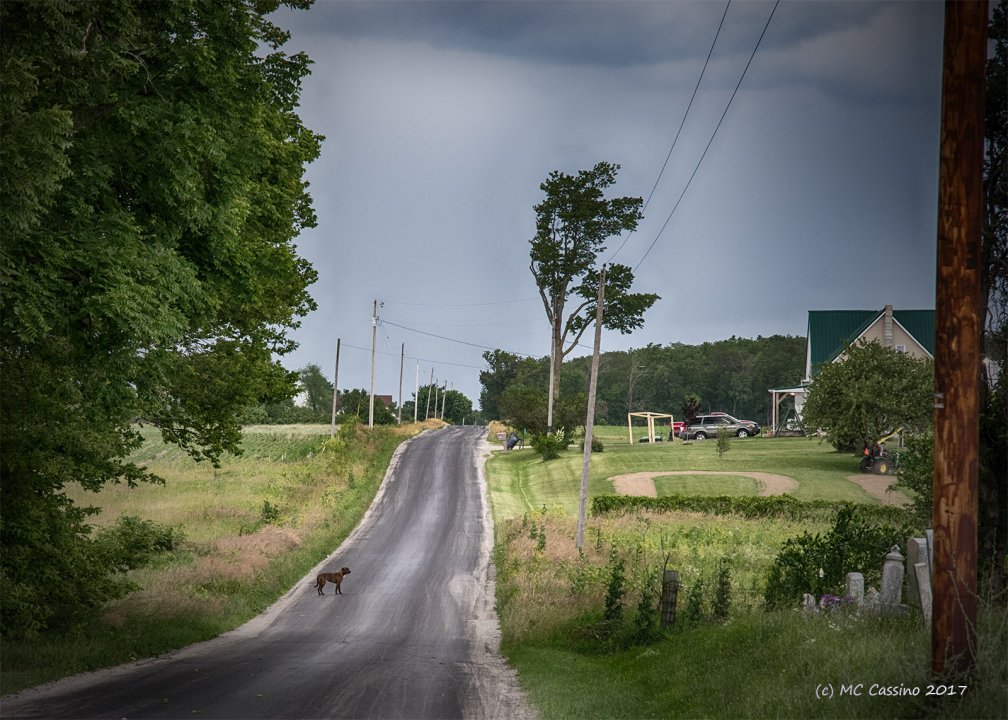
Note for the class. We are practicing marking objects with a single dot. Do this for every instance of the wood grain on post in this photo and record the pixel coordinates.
(957, 339)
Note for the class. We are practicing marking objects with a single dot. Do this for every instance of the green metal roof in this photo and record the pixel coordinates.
(830, 330)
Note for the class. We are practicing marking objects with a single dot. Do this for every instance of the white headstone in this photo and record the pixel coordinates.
(892, 579)
(923, 575)
(855, 588)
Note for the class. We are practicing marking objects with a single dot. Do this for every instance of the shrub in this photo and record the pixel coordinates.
(724, 437)
(722, 591)
(549, 445)
(131, 542)
(817, 563)
(596, 445)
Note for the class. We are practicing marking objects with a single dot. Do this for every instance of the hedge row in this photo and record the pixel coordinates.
(774, 506)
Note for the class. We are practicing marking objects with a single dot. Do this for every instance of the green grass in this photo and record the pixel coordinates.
(236, 558)
(757, 664)
(520, 481)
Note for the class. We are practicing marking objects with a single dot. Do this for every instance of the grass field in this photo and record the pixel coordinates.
(726, 656)
(250, 530)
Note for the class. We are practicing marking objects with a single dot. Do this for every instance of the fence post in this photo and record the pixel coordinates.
(669, 596)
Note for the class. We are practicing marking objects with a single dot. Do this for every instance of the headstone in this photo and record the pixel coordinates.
(808, 604)
(855, 588)
(917, 552)
(892, 579)
(923, 574)
(929, 534)
(872, 599)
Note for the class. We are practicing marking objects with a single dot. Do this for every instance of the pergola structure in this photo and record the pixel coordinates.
(779, 421)
(651, 417)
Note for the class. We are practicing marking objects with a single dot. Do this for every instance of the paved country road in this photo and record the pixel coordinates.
(413, 636)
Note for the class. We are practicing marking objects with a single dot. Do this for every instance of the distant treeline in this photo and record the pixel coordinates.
(731, 376)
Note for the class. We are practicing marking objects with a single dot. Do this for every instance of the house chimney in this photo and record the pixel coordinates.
(887, 329)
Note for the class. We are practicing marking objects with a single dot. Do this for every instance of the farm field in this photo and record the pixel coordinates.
(572, 619)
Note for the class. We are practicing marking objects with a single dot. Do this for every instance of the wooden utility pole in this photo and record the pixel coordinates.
(335, 392)
(374, 331)
(416, 395)
(402, 358)
(444, 397)
(429, 388)
(590, 421)
(957, 340)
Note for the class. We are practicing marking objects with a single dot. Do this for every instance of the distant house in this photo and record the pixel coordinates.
(830, 331)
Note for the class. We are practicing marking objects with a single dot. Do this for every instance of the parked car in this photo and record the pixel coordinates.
(705, 426)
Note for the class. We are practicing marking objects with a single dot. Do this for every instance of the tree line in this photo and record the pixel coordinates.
(314, 404)
(730, 375)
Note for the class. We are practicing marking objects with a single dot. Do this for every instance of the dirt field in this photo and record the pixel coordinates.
(642, 483)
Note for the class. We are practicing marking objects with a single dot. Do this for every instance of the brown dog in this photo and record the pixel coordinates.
(335, 578)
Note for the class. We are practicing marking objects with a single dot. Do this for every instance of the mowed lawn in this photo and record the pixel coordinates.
(520, 481)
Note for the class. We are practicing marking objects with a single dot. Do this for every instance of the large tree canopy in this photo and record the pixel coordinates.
(870, 392)
(151, 186)
(573, 224)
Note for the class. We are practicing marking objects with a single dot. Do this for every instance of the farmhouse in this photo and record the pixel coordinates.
(830, 331)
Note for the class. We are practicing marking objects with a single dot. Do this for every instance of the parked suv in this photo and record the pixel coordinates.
(705, 426)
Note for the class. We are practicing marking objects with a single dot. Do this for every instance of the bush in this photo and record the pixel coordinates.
(596, 445)
(549, 445)
(131, 542)
(724, 437)
(818, 564)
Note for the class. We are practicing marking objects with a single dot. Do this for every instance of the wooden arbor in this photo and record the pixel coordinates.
(651, 417)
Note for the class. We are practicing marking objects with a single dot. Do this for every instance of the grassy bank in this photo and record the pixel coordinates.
(248, 530)
(581, 629)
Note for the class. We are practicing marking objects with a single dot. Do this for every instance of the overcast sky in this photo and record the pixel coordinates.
(441, 119)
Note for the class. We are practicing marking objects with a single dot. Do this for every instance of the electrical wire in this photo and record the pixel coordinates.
(681, 125)
(454, 340)
(709, 142)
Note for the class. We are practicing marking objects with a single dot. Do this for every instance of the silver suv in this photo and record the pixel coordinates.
(705, 426)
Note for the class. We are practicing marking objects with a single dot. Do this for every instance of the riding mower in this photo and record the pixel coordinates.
(876, 459)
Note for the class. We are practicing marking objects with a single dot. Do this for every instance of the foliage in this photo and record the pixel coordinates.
(724, 438)
(774, 506)
(872, 391)
(524, 407)
(151, 190)
(916, 473)
(817, 564)
(690, 408)
(549, 445)
(612, 614)
(132, 541)
(356, 403)
(319, 391)
(722, 592)
(596, 445)
(730, 375)
(573, 223)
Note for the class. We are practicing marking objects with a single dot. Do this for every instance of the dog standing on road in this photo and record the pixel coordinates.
(335, 578)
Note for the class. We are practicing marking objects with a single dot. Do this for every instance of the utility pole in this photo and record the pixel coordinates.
(402, 358)
(590, 421)
(429, 388)
(416, 395)
(335, 392)
(444, 397)
(374, 331)
(957, 340)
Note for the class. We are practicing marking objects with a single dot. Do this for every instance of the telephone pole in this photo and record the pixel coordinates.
(429, 388)
(335, 392)
(590, 421)
(402, 358)
(416, 395)
(957, 340)
(374, 331)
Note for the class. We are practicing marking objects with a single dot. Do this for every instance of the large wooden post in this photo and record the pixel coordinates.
(957, 341)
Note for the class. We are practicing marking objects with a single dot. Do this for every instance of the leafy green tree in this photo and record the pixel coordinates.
(319, 391)
(573, 224)
(357, 402)
(505, 369)
(869, 393)
(151, 187)
(690, 408)
(524, 408)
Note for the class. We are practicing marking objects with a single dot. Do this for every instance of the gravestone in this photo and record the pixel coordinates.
(917, 553)
(808, 604)
(923, 576)
(855, 588)
(892, 580)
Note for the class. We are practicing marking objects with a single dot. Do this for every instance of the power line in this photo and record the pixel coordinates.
(681, 125)
(463, 305)
(709, 142)
(454, 340)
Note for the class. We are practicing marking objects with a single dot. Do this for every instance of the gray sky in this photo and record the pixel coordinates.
(442, 119)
